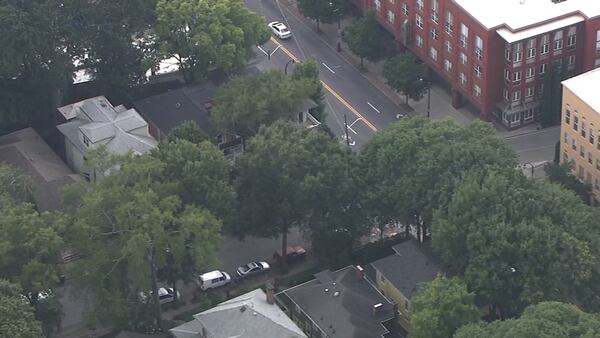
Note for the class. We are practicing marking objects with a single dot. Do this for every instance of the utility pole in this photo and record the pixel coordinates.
(346, 130)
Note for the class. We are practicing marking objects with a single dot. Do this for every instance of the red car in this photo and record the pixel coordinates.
(293, 253)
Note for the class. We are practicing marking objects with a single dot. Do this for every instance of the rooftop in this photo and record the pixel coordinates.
(341, 304)
(168, 110)
(246, 316)
(584, 86)
(519, 14)
(413, 263)
(26, 150)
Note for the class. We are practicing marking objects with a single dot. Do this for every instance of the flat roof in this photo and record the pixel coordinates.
(519, 14)
(584, 86)
(511, 36)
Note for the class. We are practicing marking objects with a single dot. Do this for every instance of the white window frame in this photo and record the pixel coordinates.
(529, 92)
(462, 78)
(419, 21)
(516, 96)
(448, 46)
(517, 76)
(449, 23)
(545, 44)
(518, 52)
(391, 16)
(377, 4)
(435, 11)
(447, 65)
(464, 35)
(558, 40)
(462, 57)
(420, 5)
(530, 72)
(478, 47)
(433, 53)
(476, 91)
(419, 41)
(404, 8)
(477, 70)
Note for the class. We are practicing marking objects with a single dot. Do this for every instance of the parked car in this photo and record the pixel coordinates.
(293, 253)
(252, 268)
(165, 295)
(213, 279)
(280, 30)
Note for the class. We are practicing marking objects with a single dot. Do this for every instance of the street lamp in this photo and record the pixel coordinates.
(532, 167)
(427, 87)
(287, 64)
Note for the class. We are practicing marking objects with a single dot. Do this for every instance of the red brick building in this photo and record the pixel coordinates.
(494, 53)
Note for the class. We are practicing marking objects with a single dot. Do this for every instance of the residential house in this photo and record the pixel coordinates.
(580, 129)
(250, 315)
(95, 121)
(494, 54)
(26, 150)
(398, 276)
(340, 303)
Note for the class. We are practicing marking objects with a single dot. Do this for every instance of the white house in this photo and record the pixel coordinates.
(95, 121)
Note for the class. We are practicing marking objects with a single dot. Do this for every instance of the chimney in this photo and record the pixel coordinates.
(270, 293)
(376, 308)
(360, 272)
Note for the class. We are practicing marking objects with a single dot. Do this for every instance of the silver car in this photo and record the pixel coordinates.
(280, 30)
(252, 268)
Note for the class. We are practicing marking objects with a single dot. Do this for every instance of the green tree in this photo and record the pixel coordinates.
(16, 316)
(440, 307)
(324, 11)
(245, 103)
(405, 75)
(364, 38)
(514, 255)
(414, 165)
(563, 174)
(308, 73)
(208, 34)
(200, 174)
(291, 176)
(188, 131)
(129, 226)
(546, 319)
(15, 184)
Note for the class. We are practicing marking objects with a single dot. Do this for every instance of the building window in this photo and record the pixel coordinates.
(464, 35)
(449, 23)
(419, 21)
(419, 40)
(377, 4)
(434, 10)
(517, 76)
(507, 74)
(574, 144)
(433, 53)
(596, 63)
(420, 5)
(530, 91)
(590, 158)
(516, 96)
(448, 46)
(543, 68)
(545, 44)
(530, 72)
(477, 69)
(404, 8)
(558, 62)
(592, 137)
(575, 121)
(391, 17)
(528, 115)
(507, 54)
(462, 57)
(531, 48)
(598, 40)
(558, 40)
(583, 129)
(434, 33)
(518, 52)
(566, 138)
(581, 151)
(478, 47)
(506, 94)
(571, 60)
(568, 115)
(598, 164)
(463, 79)
(571, 37)
(476, 91)
(447, 65)
(514, 118)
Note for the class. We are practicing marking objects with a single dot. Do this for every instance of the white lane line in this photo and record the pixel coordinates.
(273, 52)
(326, 66)
(372, 106)
(262, 50)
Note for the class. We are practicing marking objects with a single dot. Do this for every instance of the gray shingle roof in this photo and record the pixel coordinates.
(413, 263)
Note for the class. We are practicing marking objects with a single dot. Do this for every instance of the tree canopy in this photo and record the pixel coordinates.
(324, 11)
(16, 315)
(364, 38)
(245, 103)
(405, 75)
(127, 227)
(440, 307)
(209, 34)
(546, 319)
(307, 72)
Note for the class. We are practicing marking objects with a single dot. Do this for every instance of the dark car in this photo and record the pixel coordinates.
(252, 268)
(293, 253)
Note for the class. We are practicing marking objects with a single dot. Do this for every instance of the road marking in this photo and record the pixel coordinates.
(262, 50)
(330, 90)
(326, 66)
(372, 106)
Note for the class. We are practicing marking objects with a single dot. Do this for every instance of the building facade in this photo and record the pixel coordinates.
(580, 127)
(495, 53)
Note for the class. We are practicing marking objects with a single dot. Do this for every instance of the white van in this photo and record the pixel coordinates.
(213, 279)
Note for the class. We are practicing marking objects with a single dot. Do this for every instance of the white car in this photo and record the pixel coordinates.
(280, 30)
(165, 295)
(213, 279)
(252, 268)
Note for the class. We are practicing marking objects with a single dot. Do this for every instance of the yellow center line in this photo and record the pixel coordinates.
(329, 89)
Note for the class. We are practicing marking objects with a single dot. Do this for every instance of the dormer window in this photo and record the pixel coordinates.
(86, 141)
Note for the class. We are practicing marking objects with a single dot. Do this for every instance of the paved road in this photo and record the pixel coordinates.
(348, 92)
(535, 147)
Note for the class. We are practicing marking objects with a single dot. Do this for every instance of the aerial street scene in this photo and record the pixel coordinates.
(300, 169)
